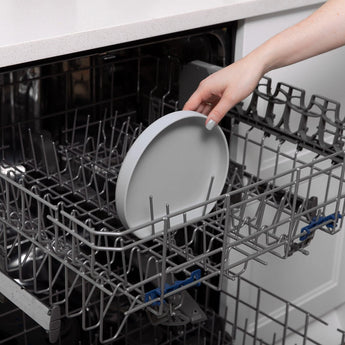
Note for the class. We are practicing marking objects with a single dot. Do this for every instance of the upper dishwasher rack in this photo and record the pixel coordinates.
(57, 208)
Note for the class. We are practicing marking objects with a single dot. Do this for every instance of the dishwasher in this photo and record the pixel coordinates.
(71, 273)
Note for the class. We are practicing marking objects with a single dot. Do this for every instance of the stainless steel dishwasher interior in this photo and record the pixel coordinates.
(65, 128)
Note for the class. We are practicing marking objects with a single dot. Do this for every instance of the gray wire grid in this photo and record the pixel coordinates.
(61, 237)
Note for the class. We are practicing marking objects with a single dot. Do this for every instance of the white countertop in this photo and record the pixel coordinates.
(35, 29)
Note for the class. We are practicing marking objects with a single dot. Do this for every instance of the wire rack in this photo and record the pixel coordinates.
(63, 242)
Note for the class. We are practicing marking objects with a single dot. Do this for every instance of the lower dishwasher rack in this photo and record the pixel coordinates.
(64, 246)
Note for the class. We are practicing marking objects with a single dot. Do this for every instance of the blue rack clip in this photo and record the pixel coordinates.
(156, 293)
(315, 222)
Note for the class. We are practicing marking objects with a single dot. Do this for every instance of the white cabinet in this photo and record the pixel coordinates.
(315, 282)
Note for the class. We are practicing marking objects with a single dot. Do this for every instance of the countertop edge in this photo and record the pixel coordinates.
(26, 51)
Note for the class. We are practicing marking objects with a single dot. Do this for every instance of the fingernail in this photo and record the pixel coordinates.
(211, 124)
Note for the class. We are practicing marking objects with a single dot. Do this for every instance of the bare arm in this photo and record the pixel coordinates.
(322, 31)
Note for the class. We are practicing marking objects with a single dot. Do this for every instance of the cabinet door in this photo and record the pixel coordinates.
(315, 282)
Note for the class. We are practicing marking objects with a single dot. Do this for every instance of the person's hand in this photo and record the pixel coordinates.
(219, 92)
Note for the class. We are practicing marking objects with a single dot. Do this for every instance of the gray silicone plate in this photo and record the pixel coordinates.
(172, 161)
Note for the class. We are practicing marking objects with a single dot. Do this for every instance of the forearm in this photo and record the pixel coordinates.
(324, 30)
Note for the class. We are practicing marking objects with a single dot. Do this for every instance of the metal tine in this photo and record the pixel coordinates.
(125, 139)
(259, 214)
(199, 329)
(250, 226)
(113, 257)
(37, 270)
(262, 145)
(342, 212)
(44, 155)
(89, 223)
(32, 149)
(122, 131)
(75, 247)
(231, 179)
(98, 144)
(73, 128)
(113, 152)
(148, 273)
(136, 251)
(107, 193)
(69, 169)
(297, 219)
(241, 217)
(278, 213)
(224, 324)
(85, 184)
(105, 119)
(274, 338)
(243, 262)
(293, 208)
(120, 325)
(9, 251)
(86, 134)
(58, 171)
(286, 320)
(112, 148)
(115, 118)
(292, 179)
(204, 260)
(307, 195)
(342, 176)
(152, 214)
(306, 325)
(169, 86)
(245, 332)
(15, 192)
(86, 303)
(21, 143)
(208, 195)
(342, 342)
(245, 146)
(276, 164)
(112, 134)
(231, 223)
(327, 190)
(257, 312)
(164, 264)
(125, 269)
(136, 133)
(185, 231)
(170, 237)
(96, 186)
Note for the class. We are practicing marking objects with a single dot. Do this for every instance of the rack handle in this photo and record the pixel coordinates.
(156, 293)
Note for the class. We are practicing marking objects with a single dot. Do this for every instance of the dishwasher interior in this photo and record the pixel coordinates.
(66, 260)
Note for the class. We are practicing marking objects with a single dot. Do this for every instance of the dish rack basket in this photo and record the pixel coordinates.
(62, 242)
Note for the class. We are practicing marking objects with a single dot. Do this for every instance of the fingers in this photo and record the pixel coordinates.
(194, 102)
(218, 112)
(204, 108)
(202, 102)
(212, 98)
